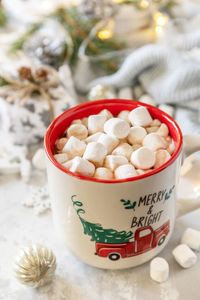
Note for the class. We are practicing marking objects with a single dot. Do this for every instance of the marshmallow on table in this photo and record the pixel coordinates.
(147, 99)
(113, 161)
(77, 121)
(60, 143)
(103, 173)
(136, 135)
(125, 93)
(191, 238)
(124, 116)
(117, 127)
(61, 157)
(125, 171)
(77, 130)
(140, 117)
(109, 142)
(74, 147)
(38, 159)
(82, 166)
(123, 150)
(84, 121)
(162, 156)
(168, 109)
(106, 113)
(95, 152)
(143, 158)
(93, 138)
(159, 269)
(184, 256)
(163, 130)
(154, 141)
(96, 123)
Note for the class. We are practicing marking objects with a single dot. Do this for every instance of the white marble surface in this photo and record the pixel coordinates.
(74, 280)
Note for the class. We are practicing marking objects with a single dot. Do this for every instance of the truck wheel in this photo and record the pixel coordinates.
(161, 240)
(114, 256)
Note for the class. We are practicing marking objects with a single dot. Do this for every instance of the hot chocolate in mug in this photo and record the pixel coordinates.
(114, 224)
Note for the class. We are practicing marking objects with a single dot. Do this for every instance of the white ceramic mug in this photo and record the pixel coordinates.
(117, 223)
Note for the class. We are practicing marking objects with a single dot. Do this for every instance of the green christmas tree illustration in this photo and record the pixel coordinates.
(97, 232)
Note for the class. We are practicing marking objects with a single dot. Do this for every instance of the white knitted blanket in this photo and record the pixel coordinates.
(167, 72)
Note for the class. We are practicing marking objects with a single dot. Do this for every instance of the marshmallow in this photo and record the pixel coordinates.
(125, 171)
(113, 161)
(163, 130)
(61, 158)
(124, 116)
(85, 122)
(117, 127)
(95, 152)
(152, 129)
(147, 99)
(136, 146)
(74, 147)
(154, 141)
(143, 158)
(82, 166)
(136, 135)
(93, 138)
(38, 159)
(140, 117)
(96, 123)
(155, 122)
(77, 121)
(77, 130)
(159, 269)
(123, 150)
(141, 172)
(103, 173)
(171, 148)
(162, 156)
(60, 143)
(168, 109)
(125, 93)
(191, 238)
(138, 91)
(67, 165)
(184, 256)
(106, 113)
(109, 142)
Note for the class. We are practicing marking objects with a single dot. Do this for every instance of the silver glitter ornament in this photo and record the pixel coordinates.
(51, 44)
(97, 9)
(100, 91)
(35, 266)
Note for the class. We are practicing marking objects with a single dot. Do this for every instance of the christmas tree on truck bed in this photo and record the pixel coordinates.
(98, 233)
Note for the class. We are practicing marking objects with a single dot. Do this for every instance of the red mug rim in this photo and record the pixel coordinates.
(58, 126)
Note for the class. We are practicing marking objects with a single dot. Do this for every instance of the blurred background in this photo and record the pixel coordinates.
(55, 54)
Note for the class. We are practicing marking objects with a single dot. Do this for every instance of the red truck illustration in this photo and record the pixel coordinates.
(145, 239)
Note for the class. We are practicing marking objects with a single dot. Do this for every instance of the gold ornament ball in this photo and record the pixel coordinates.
(99, 92)
(35, 266)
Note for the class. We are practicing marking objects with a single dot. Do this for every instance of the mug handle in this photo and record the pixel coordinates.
(191, 144)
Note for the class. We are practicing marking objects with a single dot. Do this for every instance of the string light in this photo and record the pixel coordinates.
(144, 4)
(118, 1)
(160, 21)
(107, 32)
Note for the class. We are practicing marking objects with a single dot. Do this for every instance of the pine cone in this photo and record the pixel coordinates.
(25, 73)
(40, 74)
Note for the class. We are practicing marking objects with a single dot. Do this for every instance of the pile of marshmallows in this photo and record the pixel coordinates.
(185, 257)
(108, 147)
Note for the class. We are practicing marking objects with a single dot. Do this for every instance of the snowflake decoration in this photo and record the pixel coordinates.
(38, 199)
